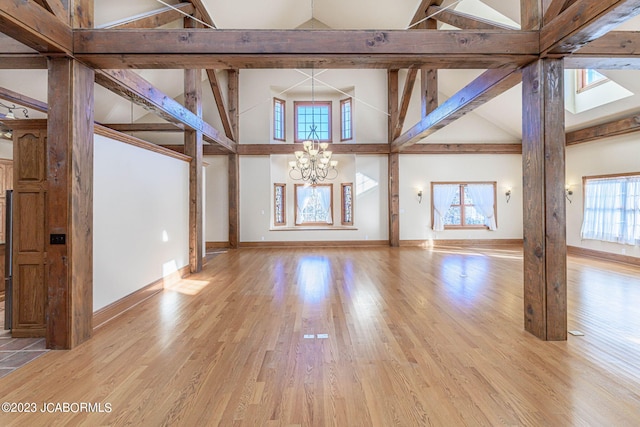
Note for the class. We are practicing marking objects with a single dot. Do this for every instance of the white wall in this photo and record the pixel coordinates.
(418, 171)
(603, 157)
(6, 149)
(216, 210)
(141, 219)
(258, 173)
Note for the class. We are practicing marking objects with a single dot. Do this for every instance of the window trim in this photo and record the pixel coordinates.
(343, 201)
(297, 104)
(342, 119)
(284, 205)
(460, 184)
(581, 78)
(283, 119)
(295, 206)
(584, 191)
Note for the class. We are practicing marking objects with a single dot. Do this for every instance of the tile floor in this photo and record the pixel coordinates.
(16, 352)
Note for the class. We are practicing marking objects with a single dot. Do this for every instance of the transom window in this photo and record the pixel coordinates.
(312, 114)
(457, 205)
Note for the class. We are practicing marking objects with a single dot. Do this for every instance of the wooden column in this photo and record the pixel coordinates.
(69, 234)
(543, 157)
(193, 148)
(394, 161)
(234, 163)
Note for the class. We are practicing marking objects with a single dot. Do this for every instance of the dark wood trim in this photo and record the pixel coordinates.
(22, 61)
(219, 100)
(145, 127)
(315, 244)
(604, 256)
(119, 307)
(217, 245)
(336, 148)
(392, 102)
(464, 149)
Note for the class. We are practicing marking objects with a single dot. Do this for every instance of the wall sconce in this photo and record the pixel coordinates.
(508, 195)
(568, 192)
(13, 107)
(419, 196)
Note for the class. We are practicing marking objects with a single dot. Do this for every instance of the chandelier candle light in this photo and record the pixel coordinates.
(314, 164)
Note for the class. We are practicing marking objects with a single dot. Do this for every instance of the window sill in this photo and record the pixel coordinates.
(313, 228)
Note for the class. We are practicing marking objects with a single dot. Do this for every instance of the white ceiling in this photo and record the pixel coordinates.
(500, 118)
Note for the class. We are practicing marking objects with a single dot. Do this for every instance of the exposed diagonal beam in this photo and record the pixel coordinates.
(219, 100)
(465, 21)
(34, 26)
(404, 102)
(422, 10)
(554, 9)
(17, 98)
(583, 22)
(486, 87)
(203, 13)
(153, 19)
(623, 126)
(60, 10)
(131, 86)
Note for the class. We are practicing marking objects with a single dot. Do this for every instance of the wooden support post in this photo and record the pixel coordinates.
(543, 157)
(69, 230)
(394, 167)
(234, 163)
(193, 148)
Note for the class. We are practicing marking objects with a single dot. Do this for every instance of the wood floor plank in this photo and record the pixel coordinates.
(358, 337)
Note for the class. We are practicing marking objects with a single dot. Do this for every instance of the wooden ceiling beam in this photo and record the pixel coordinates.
(25, 101)
(188, 48)
(153, 19)
(465, 21)
(623, 126)
(584, 22)
(19, 61)
(145, 127)
(35, 27)
(486, 87)
(131, 86)
(614, 50)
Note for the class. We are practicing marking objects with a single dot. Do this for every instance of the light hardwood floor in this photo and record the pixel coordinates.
(413, 337)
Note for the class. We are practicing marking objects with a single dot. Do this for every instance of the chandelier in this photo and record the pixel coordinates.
(313, 164)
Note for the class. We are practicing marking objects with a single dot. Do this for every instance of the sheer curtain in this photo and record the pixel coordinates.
(483, 196)
(324, 195)
(443, 195)
(612, 210)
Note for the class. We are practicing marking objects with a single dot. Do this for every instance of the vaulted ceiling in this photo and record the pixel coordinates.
(498, 119)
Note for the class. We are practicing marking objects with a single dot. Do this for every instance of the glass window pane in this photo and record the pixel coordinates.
(453, 216)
